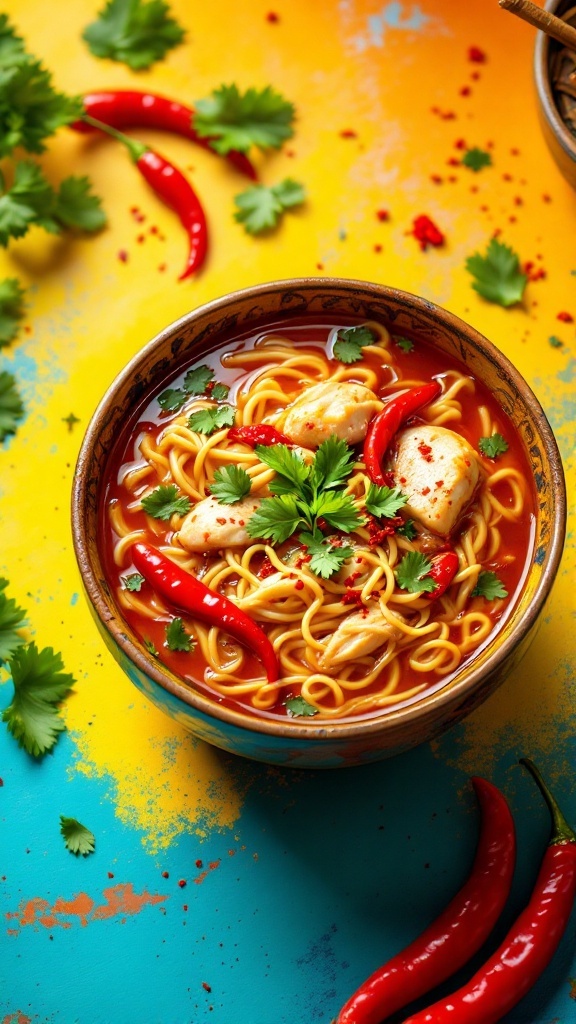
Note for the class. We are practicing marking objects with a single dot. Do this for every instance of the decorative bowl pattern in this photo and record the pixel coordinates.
(560, 140)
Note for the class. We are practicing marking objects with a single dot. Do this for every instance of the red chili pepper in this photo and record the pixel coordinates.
(386, 423)
(174, 189)
(457, 933)
(426, 232)
(127, 108)
(531, 942)
(190, 595)
(444, 568)
(260, 433)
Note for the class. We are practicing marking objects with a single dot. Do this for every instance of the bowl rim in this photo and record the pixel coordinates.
(351, 729)
(544, 88)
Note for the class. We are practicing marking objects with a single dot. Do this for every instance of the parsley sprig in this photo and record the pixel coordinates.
(40, 686)
(165, 501)
(213, 417)
(384, 502)
(11, 621)
(350, 341)
(133, 32)
(177, 639)
(489, 586)
(231, 119)
(493, 446)
(413, 573)
(231, 484)
(77, 838)
(11, 405)
(11, 309)
(497, 275)
(260, 207)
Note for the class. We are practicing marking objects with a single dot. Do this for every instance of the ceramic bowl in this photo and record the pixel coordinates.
(561, 141)
(308, 743)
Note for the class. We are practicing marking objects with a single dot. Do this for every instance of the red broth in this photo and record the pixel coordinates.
(420, 364)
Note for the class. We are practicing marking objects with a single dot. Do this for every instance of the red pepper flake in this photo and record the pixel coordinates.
(474, 188)
(310, 426)
(165, 874)
(436, 179)
(476, 55)
(299, 585)
(514, 151)
(379, 530)
(110, 874)
(451, 178)
(319, 266)
(439, 483)
(533, 273)
(566, 318)
(272, 17)
(353, 597)
(377, 247)
(546, 198)
(206, 986)
(199, 864)
(182, 883)
(518, 201)
(383, 215)
(351, 579)
(140, 239)
(185, 906)
(302, 560)
(123, 256)
(425, 491)
(161, 267)
(460, 144)
(475, 76)
(512, 219)
(426, 232)
(348, 133)
(290, 152)
(153, 229)
(453, 162)
(425, 451)
(484, 208)
(266, 569)
(465, 90)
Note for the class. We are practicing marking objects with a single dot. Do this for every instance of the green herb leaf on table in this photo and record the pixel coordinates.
(231, 484)
(476, 159)
(489, 586)
(31, 200)
(497, 275)
(350, 341)
(177, 639)
(405, 344)
(327, 557)
(407, 530)
(165, 501)
(134, 32)
(11, 406)
(234, 120)
(11, 620)
(40, 686)
(206, 421)
(197, 380)
(260, 207)
(413, 573)
(12, 46)
(78, 839)
(77, 207)
(133, 581)
(384, 502)
(297, 707)
(493, 446)
(11, 309)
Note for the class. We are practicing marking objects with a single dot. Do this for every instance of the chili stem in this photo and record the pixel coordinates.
(135, 148)
(561, 830)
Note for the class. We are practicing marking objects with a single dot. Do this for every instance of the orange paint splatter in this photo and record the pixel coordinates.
(16, 1018)
(119, 900)
(211, 867)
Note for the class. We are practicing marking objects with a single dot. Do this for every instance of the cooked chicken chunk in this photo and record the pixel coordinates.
(439, 471)
(357, 635)
(211, 526)
(343, 409)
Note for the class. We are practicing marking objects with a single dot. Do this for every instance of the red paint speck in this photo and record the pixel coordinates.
(518, 201)
(319, 266)
(546, 198)
(566, 318)
(165, 874)
(476, 55)
(182, 883)
(110, 874)
(453, 162)
(272, 17)
(465, 90)
(348, 133)
(377, 247)
(206, 986)
(123, 256)
(436, 179)
(199, 863)
(460, 144)
(383, 215)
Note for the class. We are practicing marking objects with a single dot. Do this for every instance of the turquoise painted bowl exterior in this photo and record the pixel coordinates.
(310, 744)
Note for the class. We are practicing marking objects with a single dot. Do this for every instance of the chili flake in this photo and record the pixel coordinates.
(348, 133)
(476, 55)
(566, 318)
(383, 214)
(426, 232)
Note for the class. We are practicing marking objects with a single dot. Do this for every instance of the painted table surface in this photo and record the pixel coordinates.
(222, 889)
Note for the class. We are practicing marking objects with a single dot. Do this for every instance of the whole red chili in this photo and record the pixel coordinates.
(531, 942)
(259, 433)
(190, 595)
(388, 421)
(174, 189)
(457, 933)
(444, 568)
(128, 108)
(426, 232)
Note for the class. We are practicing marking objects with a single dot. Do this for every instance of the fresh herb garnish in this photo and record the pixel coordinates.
(384, 502)
(493, 446)
(405, 344)
(206, 421)
(327, 557)
(234, 120)
(413, 573)
(476, 159)
(197, 380)
(78, 839)
(133, 581)
(555, 342)
(497, 275)
(261, 206)
(39, 687)
(297, 707)
(150, 647)
(75, 206)
(172, 399)
(165, 501)
(11, 406)
(177, 639)
(220, 392)
(31, 200)
(407, 530)
(11, 620)
(11, 309)
(350, 342)
(133, 32)
(231, 484)
(489, 586)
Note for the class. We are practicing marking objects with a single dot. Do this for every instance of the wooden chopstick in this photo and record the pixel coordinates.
(543, 20)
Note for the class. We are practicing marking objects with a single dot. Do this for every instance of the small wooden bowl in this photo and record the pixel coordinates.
(309, 743)
(561, 141)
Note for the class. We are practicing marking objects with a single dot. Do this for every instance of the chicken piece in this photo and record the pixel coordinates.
(211, 526)
(357, 635)
(438, 470)
(343, 409)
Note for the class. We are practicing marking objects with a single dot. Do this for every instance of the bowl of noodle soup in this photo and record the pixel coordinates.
(352, 594)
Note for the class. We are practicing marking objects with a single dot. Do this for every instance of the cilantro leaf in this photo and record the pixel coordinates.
(405, 344)
(206, 421)
(476, 159)
(489, 586)
(39, 687)
(197, 380)
(78, 839)
(11, 309)
(177, 639)
(231, 484)
(133, 581)
(11, 45)
(260, 207)
(327, 557)
(493, 446)
(407, 530)
(219, 392)
(77, 207)
(151, 648)
(30, 108)
(234, 120)
(497, 275)
(339, 510)
(350, 342)
(332, 464)
(30, 200)
(11, 619)
(297, 707)
(133, 32)
(413, 573)
(276, 517)
(384, 502)
(11, 407)
(292, 471)
(164, 502)
(172, 399)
